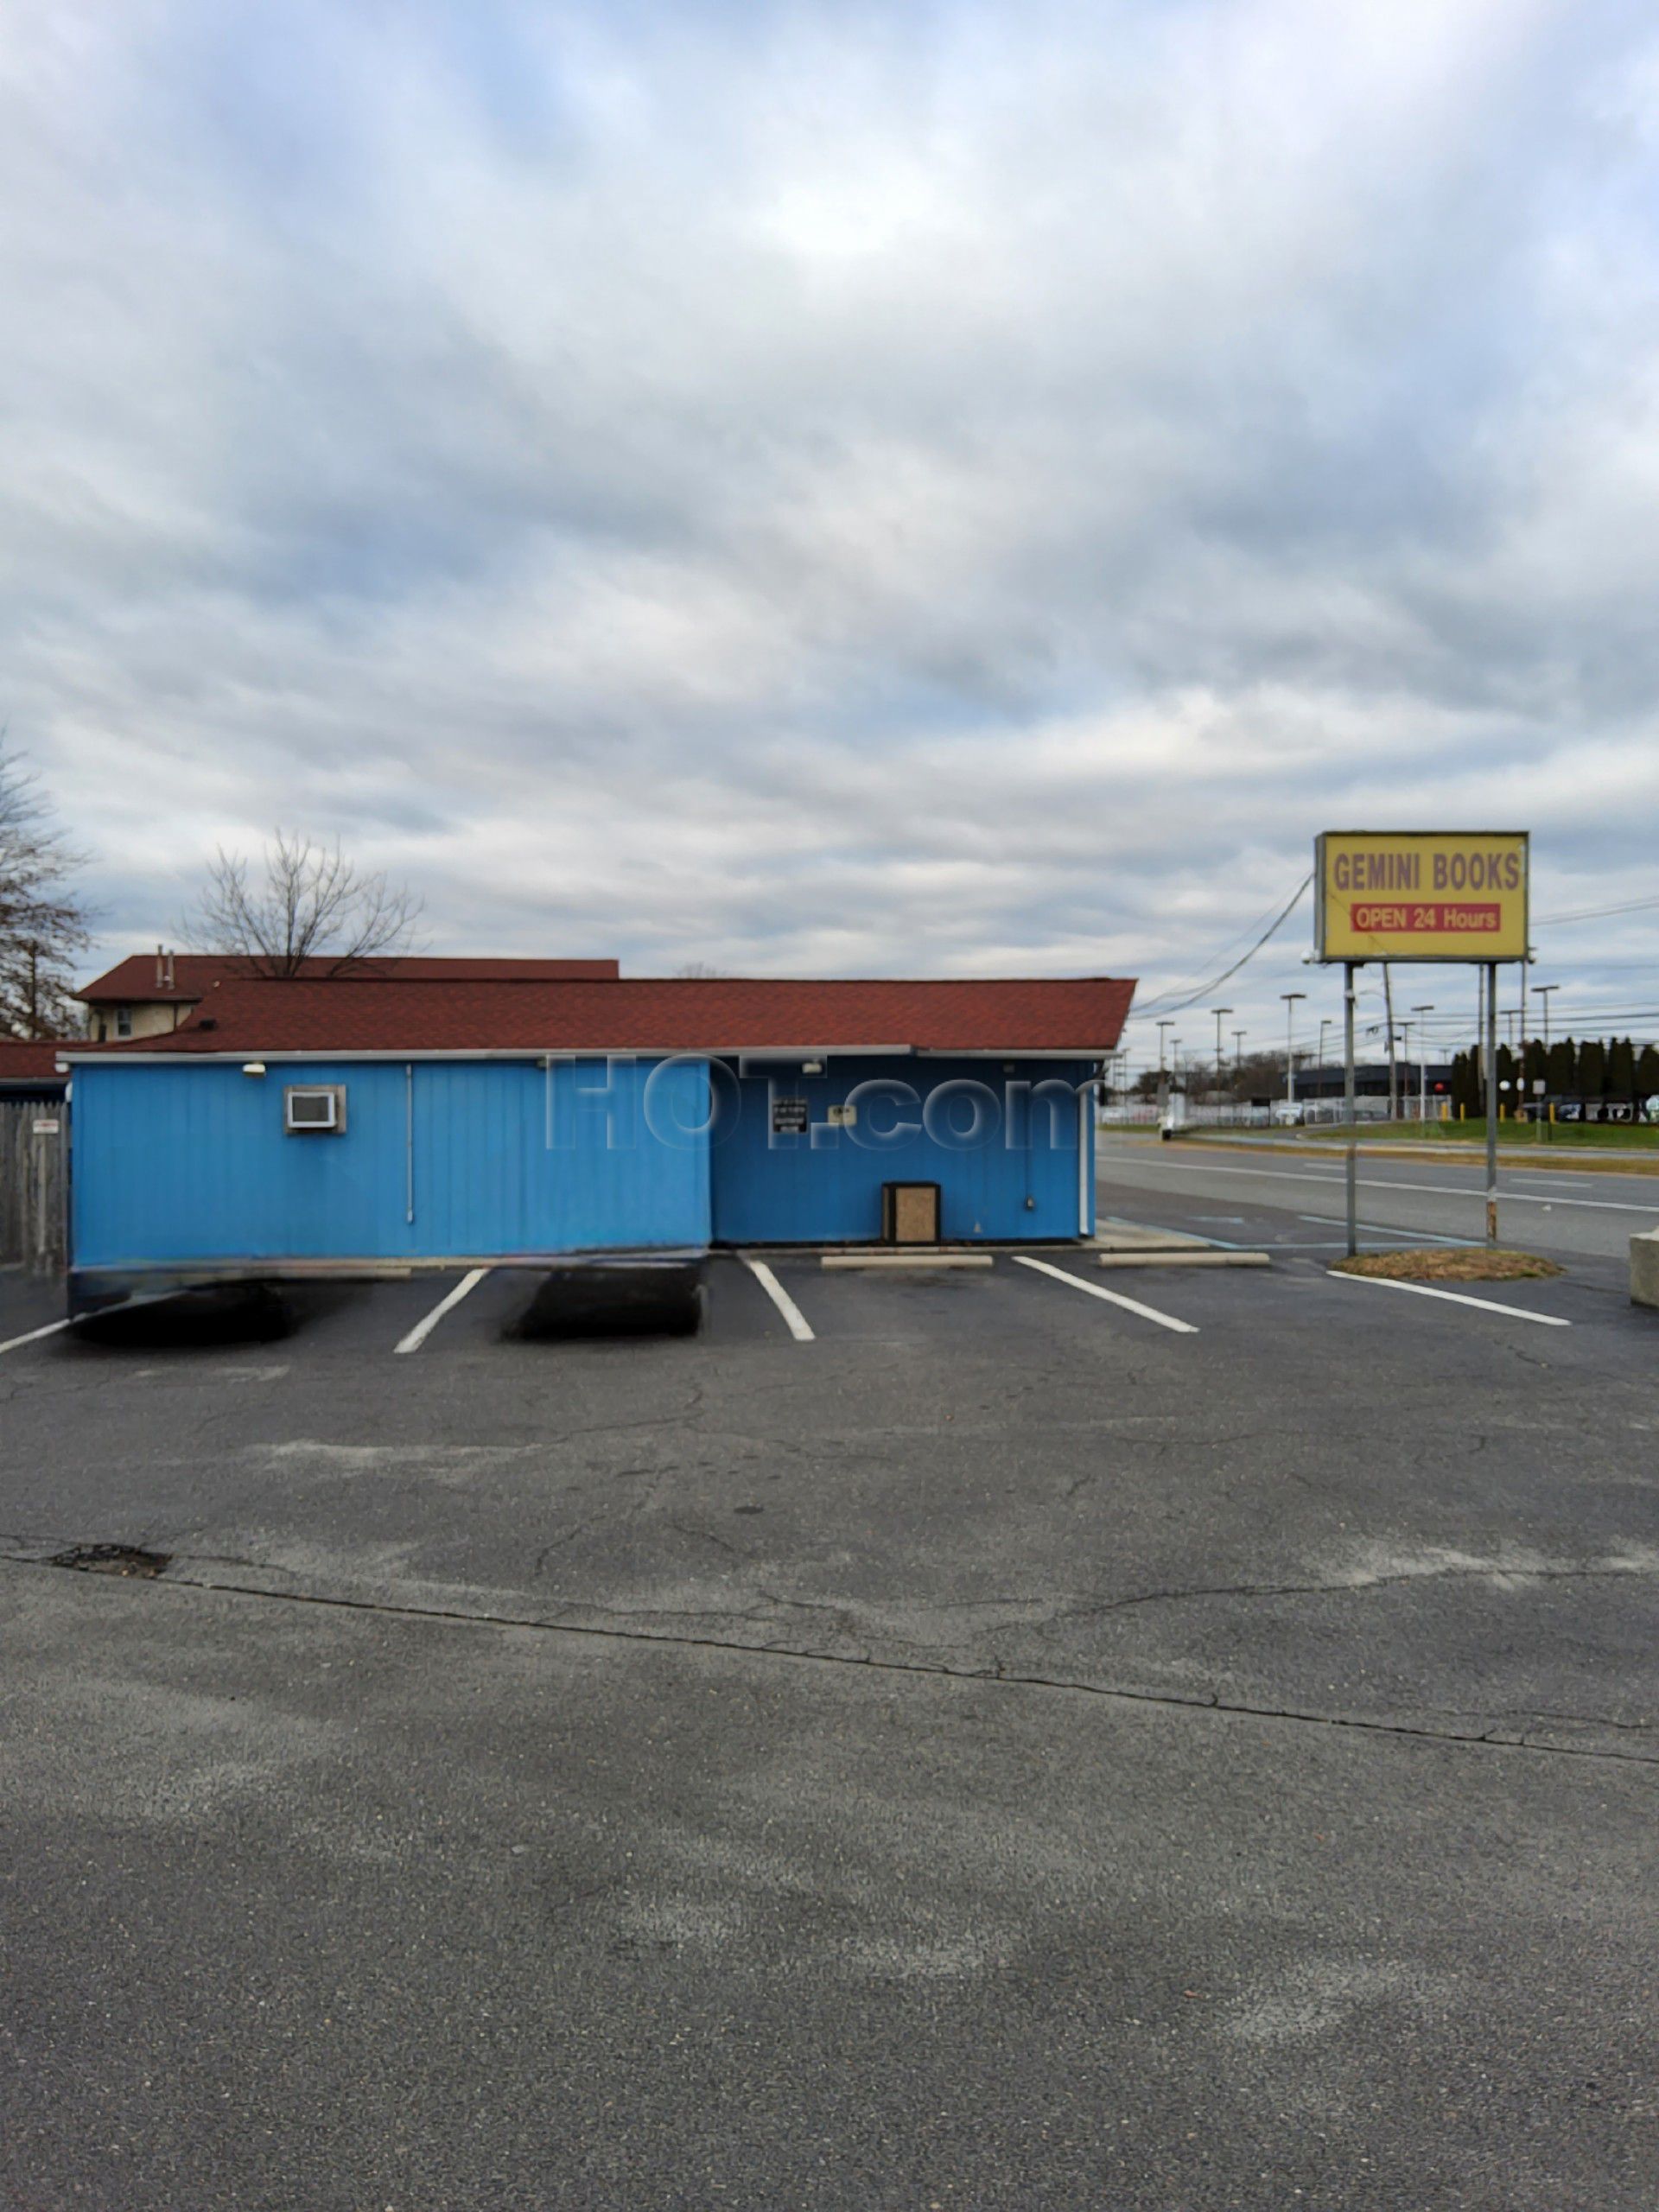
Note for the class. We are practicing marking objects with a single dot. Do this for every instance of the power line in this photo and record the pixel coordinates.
(1220, 953)
(1596, 913)
(1215, 982)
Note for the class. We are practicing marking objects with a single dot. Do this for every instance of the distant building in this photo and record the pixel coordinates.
(149, 994)
(1371, 1080)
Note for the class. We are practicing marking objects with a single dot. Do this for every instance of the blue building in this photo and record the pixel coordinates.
(355, 1125)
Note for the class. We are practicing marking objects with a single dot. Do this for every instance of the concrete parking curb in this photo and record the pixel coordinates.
(1182, 1260)
(906, 1260)
(1644, 1267)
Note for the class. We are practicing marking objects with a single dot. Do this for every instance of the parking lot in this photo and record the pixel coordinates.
(942, 1738)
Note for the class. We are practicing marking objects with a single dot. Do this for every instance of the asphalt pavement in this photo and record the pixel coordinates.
(996, 1751)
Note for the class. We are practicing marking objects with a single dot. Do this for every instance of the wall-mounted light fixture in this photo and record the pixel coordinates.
(253, 1067)
(811, 1067)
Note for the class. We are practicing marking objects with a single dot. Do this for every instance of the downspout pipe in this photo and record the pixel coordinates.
(1086, 1154)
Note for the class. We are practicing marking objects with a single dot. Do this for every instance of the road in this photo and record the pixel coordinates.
(1585, 1213)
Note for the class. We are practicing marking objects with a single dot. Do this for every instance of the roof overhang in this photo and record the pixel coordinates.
(122, 1056)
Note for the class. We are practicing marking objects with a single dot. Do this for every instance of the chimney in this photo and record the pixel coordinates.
(161, 969)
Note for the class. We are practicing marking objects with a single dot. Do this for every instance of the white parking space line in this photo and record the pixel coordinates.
(799, 1327)
(33, 1336)
(1112, 1297)
(1298, 1173)
(423, 1328)
(1452, 1297)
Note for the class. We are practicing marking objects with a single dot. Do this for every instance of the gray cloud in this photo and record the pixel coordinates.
(845, 488)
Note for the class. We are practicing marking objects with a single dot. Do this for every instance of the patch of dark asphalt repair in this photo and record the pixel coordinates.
(613, 1301)
(126, 1560)
(229, 1313)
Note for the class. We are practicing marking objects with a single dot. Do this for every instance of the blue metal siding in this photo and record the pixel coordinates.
(825, 1187)
(191, 1162)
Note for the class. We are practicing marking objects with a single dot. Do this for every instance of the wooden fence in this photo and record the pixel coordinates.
(34, 1183)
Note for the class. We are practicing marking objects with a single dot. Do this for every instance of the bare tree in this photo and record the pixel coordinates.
(43, 920)
(305, 902)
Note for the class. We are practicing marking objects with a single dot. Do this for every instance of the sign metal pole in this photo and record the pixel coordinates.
(1492, 1102)
(1350, 1107)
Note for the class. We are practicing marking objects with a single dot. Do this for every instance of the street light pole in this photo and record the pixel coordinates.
(1542, 991)
(1290, 998)
(1422, 1063)
(1219, 1011)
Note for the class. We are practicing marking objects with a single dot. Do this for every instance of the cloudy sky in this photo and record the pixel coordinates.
(943, 487)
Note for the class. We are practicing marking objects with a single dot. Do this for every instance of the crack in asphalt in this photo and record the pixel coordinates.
(1002, 1677)
(1487, 1570)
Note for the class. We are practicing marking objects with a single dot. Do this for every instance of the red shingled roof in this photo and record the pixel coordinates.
(22, 1060)
(680, 1013)
(195, 973)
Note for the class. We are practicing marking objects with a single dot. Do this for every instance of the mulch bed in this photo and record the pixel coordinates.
(1480, 1263)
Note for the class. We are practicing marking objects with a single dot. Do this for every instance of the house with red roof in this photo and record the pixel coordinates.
(370, 1121)
(30, 1069)
(148, 995)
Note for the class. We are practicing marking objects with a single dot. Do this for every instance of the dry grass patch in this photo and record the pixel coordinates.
(1479, 1263)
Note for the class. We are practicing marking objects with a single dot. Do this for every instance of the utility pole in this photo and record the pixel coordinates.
(1542, 991)
(1290, 998)
(1422, 1062)
(1393, 1079)
(1239, 1056)
(1219, 1011)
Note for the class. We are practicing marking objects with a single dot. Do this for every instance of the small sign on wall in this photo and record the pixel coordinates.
(842, 1117)
(46, 1129)
(789, 1118)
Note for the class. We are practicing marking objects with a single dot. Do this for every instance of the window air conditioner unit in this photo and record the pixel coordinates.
(314, 1109)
